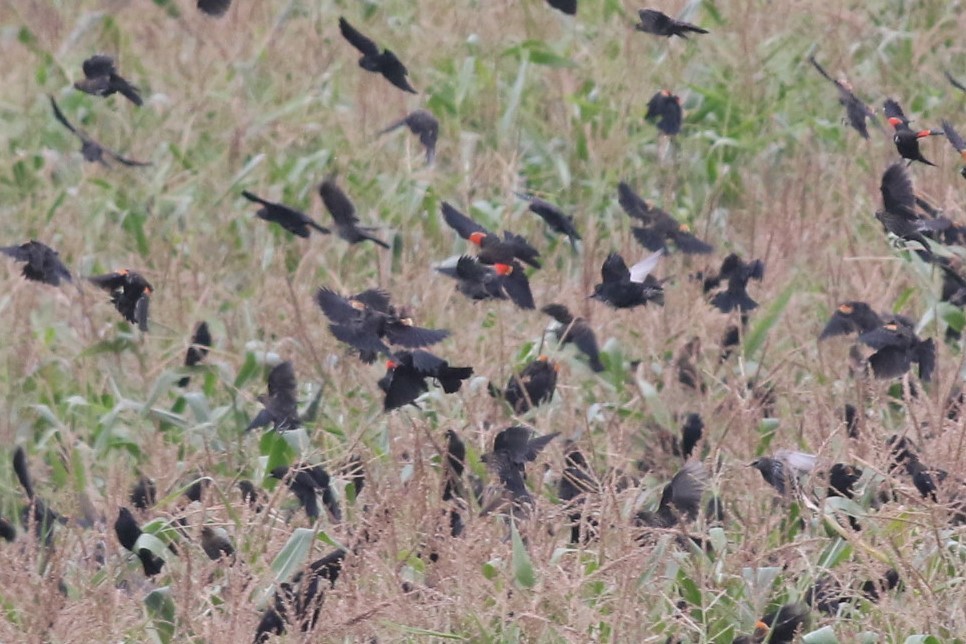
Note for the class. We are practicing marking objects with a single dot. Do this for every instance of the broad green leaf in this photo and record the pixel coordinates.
(161, 609)
(291, 558)
(522, 566)
(824, 635)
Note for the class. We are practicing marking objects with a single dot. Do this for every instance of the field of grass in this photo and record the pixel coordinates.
(270, 98)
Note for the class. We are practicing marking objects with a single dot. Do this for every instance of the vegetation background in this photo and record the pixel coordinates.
(270, 98)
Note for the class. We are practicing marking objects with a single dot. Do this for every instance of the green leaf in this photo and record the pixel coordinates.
(756, 337)
(922, 639)
(248, 369)
(522, 566)
(835, 553)
(291, 558)
(824, 635)
(161, 610)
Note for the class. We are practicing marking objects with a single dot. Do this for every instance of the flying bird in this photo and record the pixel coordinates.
(851, 317)
(344, 214)
(856, 110)
(41, 263)
(623, 288)
(568, 7)
(664, 110)
(407, 372)
(101, 79)
(905, 138)
(422, 124)
(957, 142)
(896, 348)
(659, 227)
(555, 218)
(280, 405)
(661, 24)
(216, 8)
(385, 63)
(680, 499)
(130, 294)
(200, 343)
(290, 219)
(91, 150)
(738, 273)
(533, 386)
(898, 215)
(575, 330)
(479, 281)
(493, 249)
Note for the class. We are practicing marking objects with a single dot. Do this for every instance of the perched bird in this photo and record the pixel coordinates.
(786, 622)
(128, 532)
(568, 7)
(533, 386)
(91, 150)
(41, 263)
(856, 110)
(576, 484)
(479, 281)
(306, 483)
(957, 142)
(200, 343)
(130, 294)
(659, 227)
(680, 500)
(896, 348)
(144, 494)
(101, 79)
(851, 317)
(344, 214)
(782, 471)
(37, 511)
(660, 24)
(898, 215)
(280, 405)
(555, 218)
(422, 124)
(370, 323)
(623, 288)
(216, 542)
(493, 249)
(385, 63)
(454, 463)
(290, 219)
(575, 330)
(691, 433)
(664, 110)
(738, 273)
(842, 479)
(216, 8)
(905, 138)
(406, 375)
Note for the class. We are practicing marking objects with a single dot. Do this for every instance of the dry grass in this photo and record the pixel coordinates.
(270, 99)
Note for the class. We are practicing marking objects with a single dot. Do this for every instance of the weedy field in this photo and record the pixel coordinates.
(269, 98)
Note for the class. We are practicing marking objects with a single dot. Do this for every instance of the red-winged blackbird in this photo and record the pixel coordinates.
(406, 374)
(659, 227)
(216, 542)
(897, 347)
(493, 250)
(664, 110)
(128, 532)
(905, 138)
(144, 494)
(292, 220)
(41, 262)
(130, 294)
(533, 386)
(280, 406)
(215, 8)
(556, 219)
(91, 150)
(344, 214)
(101, 79)
(842, 479)
(957, 142)
(37, 511)
(660, 24)
(479, 281)
(898, 214)
(782, 471)
(200, 343)
(851, 317)
(681, 498)
(513, 448)
(575, 330)
(624, 288)
(568, 7)
(422, 124)
(738, 273)
(385, 63)
(855, 109)
(783, 624)
(306, 483)
(369, 323)
(691, 433)
(955, 83)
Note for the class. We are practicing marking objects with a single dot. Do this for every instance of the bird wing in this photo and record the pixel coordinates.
(63, 119)
(463, 225)
(335, 307)
(632, 203)
(639, 271)
(898, 196)
(338, 204)
(357, 40)
(98, 65)
(614, 269)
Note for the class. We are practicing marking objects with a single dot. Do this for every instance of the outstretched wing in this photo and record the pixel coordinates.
(357, 40)
(338, 204)
(463, 225)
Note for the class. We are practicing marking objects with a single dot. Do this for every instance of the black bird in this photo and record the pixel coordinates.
(250, 495)
(851, 317)
(280, 405)
(91, 150)
(454, 463)
(306, 483)
(512, 449)
(533, 386)
(215, 8)
(406, 375)
(344, 214)
(568, 7)
(493, 249)
(130, 294)
(216, 543)
(898, 214)
(624, 288)
(660, 24)
(681, 498)
(957, 142)
(842, 479)
(664, 110)
(385, 63)
(955, 83)
(575, 330)
(7, 530)
(659, 227)
(738, 273)
(576, 484)
(101, 79)
(783, 470)
(144, 494)
(556, 219)
(292, 220)
(691, 433)
(905, 138)
(41, 262)
(785, 622)
(200, 343)
(479, 281)
(128, 531)
(422, 124)
(369, 322)
(855, 109)
(896, 348)
(38, 511)
(851, 417)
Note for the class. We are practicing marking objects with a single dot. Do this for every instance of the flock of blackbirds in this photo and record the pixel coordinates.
(500, 269)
